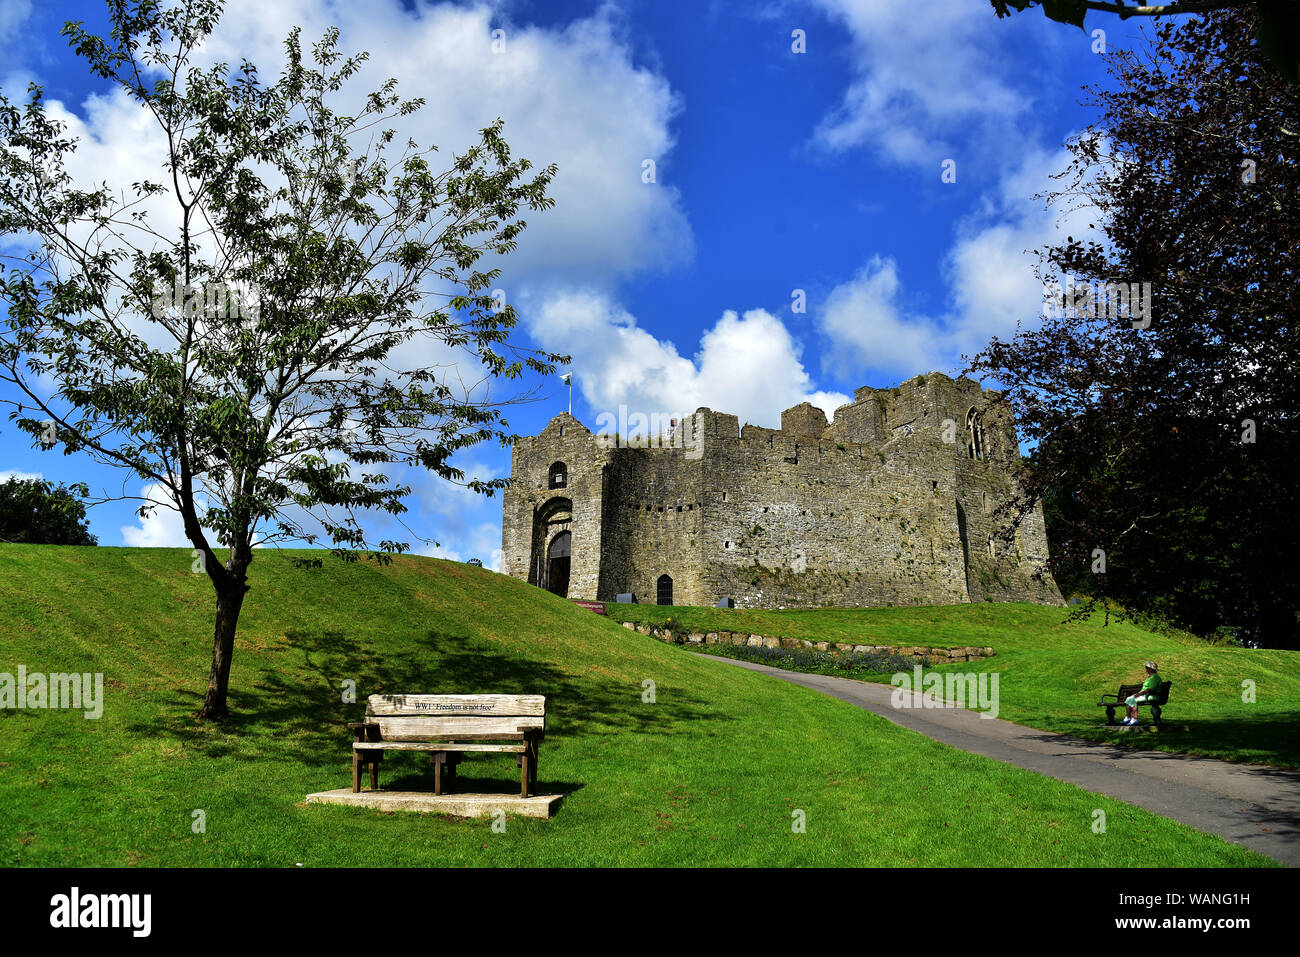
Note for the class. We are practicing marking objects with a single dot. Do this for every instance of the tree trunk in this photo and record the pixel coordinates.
(229, 602)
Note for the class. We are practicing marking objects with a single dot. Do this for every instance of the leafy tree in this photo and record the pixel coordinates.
(1165, 452)
(307, 251)
(36, 512)
(1278, 24)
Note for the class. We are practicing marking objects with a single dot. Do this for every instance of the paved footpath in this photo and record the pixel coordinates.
(1253, 805)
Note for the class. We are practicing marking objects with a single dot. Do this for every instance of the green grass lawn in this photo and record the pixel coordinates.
(710, 773)
(1051, 673)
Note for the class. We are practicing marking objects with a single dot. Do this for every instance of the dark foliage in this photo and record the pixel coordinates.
(36, 512)
(1172, 449)
(812, 661)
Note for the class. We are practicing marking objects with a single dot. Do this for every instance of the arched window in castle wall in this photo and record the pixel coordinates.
(974, 434)
(664, 590)
(558, 476)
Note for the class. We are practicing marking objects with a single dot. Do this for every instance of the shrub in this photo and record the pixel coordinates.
(821, 662)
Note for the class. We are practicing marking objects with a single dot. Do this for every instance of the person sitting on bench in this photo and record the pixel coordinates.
(1149, 692)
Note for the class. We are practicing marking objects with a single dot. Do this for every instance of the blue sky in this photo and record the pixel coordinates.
(775, 171)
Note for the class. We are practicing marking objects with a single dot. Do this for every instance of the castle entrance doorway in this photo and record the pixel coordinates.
(557, 564)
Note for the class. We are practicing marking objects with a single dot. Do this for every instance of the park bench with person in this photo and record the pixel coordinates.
(1155, 703)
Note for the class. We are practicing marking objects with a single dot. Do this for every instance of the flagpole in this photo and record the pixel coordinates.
(570, 393)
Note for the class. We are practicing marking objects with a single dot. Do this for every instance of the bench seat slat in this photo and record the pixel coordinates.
(436, 746)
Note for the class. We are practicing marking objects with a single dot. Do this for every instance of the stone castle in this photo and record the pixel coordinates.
(895, 502)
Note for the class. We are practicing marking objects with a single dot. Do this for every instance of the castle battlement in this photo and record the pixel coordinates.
(892, 500)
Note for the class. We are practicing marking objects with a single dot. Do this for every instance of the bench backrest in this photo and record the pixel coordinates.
(427, 717)
(1162, 693)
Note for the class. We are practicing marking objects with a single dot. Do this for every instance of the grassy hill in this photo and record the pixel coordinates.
(711, 773)
(1051, 674)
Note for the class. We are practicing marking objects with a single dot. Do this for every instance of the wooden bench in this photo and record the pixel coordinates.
(447, 726)
(1161, 699)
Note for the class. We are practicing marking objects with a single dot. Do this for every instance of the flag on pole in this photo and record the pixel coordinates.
(566, 377)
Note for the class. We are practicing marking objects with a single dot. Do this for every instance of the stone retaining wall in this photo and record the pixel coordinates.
(937, 656)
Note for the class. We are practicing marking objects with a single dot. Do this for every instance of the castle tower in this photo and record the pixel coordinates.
(551, 518)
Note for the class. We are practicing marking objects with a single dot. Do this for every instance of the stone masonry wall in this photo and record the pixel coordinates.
(652, 524)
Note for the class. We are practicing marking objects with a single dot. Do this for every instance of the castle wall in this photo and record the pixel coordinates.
(793, 521)
(652, 524)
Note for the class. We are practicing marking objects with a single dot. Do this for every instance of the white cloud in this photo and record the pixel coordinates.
(989, 272)
(925, 89)
(921, 80)
(569, 95)
(990, 268)
(868, 327)
(477, 536)
(483, 542)
(13, 14)
(828, 402)
(747, 364)
(7, 474)
(162, 528)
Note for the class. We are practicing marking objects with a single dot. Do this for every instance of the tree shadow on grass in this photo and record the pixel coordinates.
(296, 711)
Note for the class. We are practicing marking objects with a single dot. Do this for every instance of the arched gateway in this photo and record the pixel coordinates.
(552, 546)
